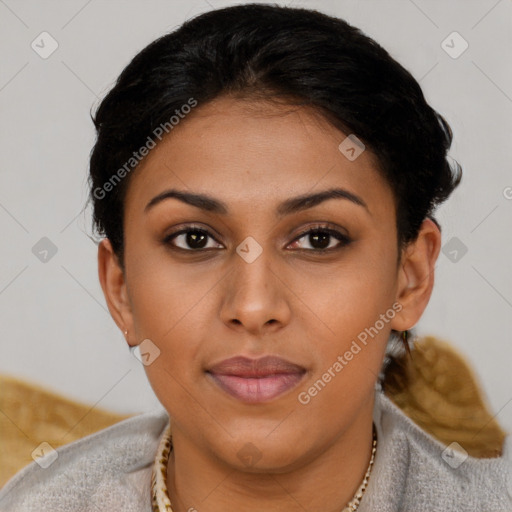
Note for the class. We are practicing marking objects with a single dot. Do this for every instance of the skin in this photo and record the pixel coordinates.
(200, 308)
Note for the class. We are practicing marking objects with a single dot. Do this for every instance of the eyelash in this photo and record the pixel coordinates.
(342, 238)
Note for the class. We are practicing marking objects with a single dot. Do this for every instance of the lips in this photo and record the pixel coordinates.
(256, 380)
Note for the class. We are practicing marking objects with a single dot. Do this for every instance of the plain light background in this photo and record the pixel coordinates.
(56, 330)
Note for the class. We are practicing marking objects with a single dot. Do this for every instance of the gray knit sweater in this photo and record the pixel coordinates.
(111, 471)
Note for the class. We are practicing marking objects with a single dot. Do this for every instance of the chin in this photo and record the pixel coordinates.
(259, 454)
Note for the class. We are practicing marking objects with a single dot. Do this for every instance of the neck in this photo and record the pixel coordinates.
(198, 481)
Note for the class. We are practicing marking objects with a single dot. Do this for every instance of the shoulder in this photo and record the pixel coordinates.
(99, 471)
(415, 471)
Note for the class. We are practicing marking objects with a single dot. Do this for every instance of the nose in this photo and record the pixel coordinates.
(255, 298)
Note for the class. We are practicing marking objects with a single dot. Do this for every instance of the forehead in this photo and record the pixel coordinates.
(241, 150)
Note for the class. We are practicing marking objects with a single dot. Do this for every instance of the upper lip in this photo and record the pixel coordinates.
(241, 366)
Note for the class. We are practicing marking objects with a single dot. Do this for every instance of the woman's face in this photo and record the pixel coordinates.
(251, 283)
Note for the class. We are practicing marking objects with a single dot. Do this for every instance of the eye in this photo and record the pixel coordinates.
(320, 239)
(194, 239)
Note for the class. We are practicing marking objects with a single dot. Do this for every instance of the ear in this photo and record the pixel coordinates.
(113, 283)
(416, 275)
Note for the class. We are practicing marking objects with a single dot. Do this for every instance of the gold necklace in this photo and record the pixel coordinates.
(160, 497)
(354, 502)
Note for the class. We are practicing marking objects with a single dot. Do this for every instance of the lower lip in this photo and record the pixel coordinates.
(252, 390)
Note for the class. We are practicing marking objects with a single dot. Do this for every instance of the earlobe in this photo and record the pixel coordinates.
(113, 284)
(416, 275)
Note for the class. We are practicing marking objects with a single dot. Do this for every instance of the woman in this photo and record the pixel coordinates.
(265, 179)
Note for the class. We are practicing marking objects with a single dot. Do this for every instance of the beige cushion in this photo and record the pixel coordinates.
(30, 415)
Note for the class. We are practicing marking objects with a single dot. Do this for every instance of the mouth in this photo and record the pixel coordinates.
(256, 380)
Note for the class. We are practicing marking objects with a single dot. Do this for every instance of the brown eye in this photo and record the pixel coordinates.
(192, 239)
(322, 239)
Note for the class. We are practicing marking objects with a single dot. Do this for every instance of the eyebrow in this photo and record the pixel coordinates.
(292, 205)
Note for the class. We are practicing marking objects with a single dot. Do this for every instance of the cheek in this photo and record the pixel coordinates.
(177, 324)
(352, 294)
(168, 311)
(349, 358)
(352, 320)
(164, 295)
(171, 306)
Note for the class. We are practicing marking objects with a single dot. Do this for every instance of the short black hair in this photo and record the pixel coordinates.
(272, 53)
